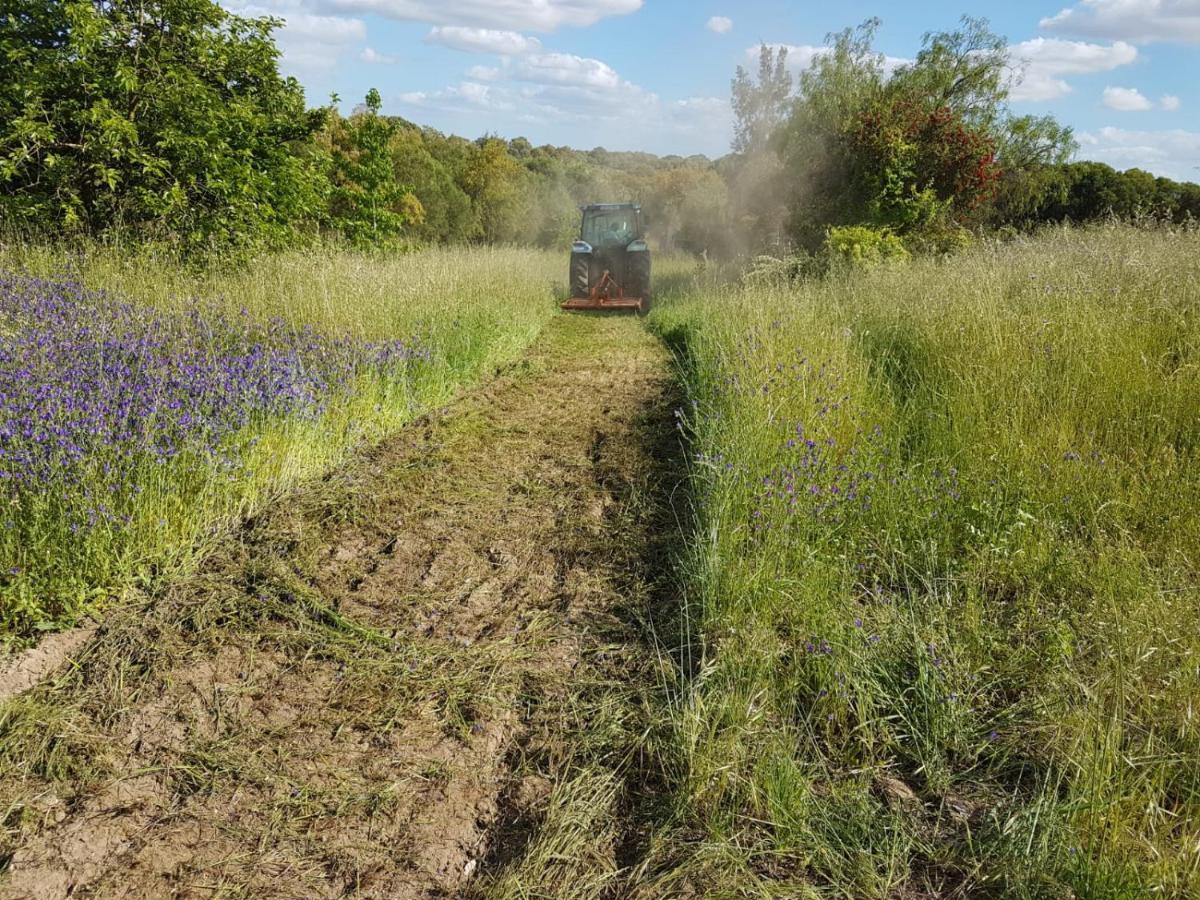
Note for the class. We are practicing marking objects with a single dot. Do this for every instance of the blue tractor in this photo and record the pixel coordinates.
(610, 262)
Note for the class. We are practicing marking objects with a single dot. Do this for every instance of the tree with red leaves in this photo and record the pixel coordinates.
(921, 166)
(917, 150)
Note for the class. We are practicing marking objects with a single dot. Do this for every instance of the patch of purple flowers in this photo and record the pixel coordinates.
(818, 476)
(92, 387)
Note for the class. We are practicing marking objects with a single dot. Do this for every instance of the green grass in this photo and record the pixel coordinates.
(476, 309)
(955, 644)
(970, 669)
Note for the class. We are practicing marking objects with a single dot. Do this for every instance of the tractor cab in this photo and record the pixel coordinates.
(611, 227)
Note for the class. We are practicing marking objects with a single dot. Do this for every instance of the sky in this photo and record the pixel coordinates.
(654, 75)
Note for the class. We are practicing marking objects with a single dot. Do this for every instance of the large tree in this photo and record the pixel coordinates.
(921, 149)
(498, 187)
(368, 204)
(833, 92)
(165, 117)
(760, 106)
(448, 215)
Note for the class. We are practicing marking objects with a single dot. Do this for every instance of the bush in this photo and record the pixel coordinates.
(939, 238)
(776, 270)
(860, 246)
(168, 120)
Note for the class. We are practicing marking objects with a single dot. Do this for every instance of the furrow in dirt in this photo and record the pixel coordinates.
(406, 680)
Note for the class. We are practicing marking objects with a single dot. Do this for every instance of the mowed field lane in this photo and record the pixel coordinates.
(424, 675)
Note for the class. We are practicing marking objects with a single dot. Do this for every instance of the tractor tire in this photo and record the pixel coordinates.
(580, 286)
(639, 278)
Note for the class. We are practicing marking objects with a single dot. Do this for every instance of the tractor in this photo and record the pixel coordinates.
(610, 262)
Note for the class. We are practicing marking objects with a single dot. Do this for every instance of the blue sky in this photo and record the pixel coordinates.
(654, 74)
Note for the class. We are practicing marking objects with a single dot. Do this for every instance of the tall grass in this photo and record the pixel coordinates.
(458, 312)
(944, 576)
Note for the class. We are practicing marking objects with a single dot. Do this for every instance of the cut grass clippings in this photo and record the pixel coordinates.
(426, 673)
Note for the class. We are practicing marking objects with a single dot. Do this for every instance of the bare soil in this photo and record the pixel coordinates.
(425, 675)
(25, 669)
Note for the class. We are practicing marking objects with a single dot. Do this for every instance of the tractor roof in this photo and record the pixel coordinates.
(603, 206)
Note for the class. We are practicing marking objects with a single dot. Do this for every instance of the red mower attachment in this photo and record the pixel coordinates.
(606, 294)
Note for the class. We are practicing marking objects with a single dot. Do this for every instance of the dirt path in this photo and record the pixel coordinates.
(422, 677)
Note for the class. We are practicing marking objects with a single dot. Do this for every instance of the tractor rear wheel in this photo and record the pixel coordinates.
(579, 275)
(639, 277)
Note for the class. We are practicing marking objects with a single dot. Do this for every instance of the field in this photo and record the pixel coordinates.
(879, 585)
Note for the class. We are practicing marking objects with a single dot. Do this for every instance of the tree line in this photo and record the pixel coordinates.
(168, 121)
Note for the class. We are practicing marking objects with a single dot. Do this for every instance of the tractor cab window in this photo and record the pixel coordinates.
(615, 227)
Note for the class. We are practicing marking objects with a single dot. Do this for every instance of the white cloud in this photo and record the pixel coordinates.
(1126, 99)
(536, 102)
(1140, 21)
(609, 112)
(720, 24)
(467, 96)
(1039, 65)
(484, 73)
(582, 94)
(559, 102)
(1170, 102)
(708, 106)
(373, 56)
(1036, 84)
(308, 42)
(483, 40)
(548, 87)
(479, 94)
(530, 15)
(334, 29)
(700, 116)
(1174, 153)
(565, 69)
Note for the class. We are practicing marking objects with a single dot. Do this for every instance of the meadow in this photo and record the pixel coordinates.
(930, 621)
(888, 588)
(147, 407)
(941, 591)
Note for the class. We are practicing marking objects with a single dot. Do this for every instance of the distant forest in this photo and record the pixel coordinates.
(167, 121)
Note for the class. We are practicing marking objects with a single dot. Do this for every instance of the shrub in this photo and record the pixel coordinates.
(781, 270)
(862, 246)
(165, 119)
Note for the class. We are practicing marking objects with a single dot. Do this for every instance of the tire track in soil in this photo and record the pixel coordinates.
(366, 693)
